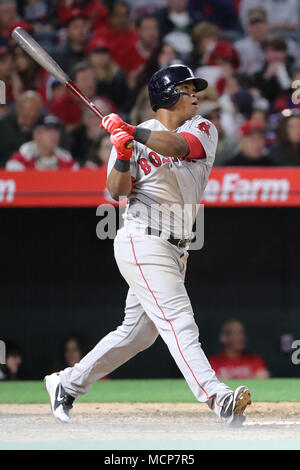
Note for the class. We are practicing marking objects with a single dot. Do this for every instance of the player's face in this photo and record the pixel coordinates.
(188, 103)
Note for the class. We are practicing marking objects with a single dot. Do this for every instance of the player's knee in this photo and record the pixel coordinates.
(146, 342)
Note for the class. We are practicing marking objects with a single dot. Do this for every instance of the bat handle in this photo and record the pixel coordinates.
(90, 104)
(129, 144)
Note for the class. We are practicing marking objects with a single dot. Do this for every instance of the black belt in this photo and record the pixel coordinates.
(179, 242)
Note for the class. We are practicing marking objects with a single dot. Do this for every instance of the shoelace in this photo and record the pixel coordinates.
(68, 401)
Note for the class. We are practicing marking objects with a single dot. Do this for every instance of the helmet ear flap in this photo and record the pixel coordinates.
(170, 96)
(165, 94)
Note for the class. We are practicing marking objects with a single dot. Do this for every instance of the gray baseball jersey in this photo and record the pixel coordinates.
(169, 187)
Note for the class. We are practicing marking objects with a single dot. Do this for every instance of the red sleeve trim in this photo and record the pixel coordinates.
(195, 146)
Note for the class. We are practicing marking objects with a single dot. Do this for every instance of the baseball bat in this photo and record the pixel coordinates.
(47, 62)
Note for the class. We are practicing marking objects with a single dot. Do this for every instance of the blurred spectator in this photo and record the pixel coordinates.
(163, 55)
(16, 127)
(8, 16)
(252, 151)
(73, 51)
(67, 107)
(142, 110)
(9, 20)
(11, 370)
(275, 76)
(260, 115)
(54, 89)
(227, 145)
(42, 153)
(283, 15)
(235, 98)
(175, 24)
(204, 37)
(235, 362)
(286, 151)
(30, 75)
(250, 47)
(74, 348)
(140, 8)
(121, 38)
(100, 153)
(110, 79)
(209, 95)
(148, 36)
(85, 137)
(94, 10)
(222, 61)
(6, 76)
(148, 40)
(220, 12)
(36, 12)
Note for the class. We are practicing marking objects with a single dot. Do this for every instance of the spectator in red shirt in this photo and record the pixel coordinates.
(42, 153)
(94, 10)
(67, 107)
(8, 15)
(234, 362)
(120, 37)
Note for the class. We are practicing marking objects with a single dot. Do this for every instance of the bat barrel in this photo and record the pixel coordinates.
(39, 54)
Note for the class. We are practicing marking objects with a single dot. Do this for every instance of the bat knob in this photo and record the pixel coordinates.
(129, 144)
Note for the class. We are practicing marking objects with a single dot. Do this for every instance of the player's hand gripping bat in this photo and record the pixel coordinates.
(43, 58)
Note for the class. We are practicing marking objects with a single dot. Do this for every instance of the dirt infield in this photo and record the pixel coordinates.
(148, 426)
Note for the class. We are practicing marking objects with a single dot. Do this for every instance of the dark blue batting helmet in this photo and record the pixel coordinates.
(162, 86)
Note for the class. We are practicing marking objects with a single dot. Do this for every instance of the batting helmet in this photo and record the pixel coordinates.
(162, 86)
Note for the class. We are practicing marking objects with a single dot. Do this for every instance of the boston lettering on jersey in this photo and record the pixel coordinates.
(156, 161)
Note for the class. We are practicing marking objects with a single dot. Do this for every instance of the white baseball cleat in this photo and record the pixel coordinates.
(234, 406)
(61, 401)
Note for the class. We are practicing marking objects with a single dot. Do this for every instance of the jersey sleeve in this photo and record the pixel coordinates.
(113, 158)
(200, 134)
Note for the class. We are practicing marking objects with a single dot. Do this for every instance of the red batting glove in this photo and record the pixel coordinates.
(112, 121)
(120, 139)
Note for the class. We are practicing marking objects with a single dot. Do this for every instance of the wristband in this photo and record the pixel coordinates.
(141, 134)
(122, 165)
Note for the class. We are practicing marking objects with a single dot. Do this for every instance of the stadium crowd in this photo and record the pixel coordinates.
(248, 50)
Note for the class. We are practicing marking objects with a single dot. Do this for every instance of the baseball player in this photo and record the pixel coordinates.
(167, 166)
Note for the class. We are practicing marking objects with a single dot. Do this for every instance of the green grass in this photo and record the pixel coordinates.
(143, 391)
